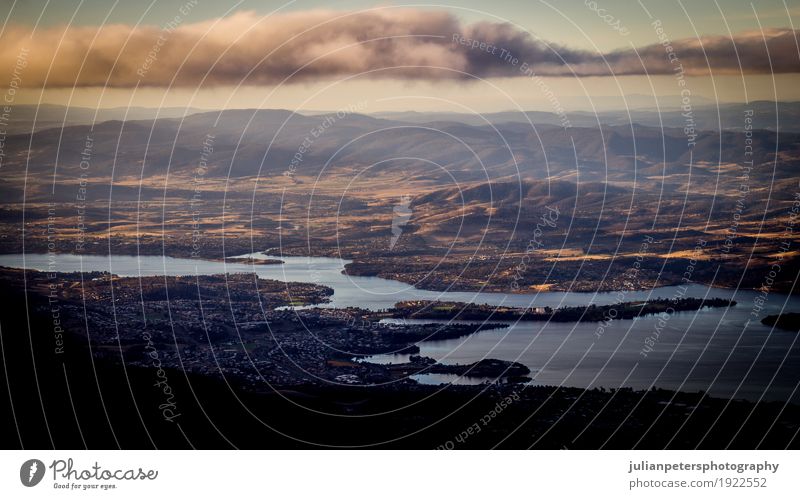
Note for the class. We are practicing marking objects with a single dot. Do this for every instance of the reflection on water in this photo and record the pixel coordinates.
(452, 379)
(726, 352)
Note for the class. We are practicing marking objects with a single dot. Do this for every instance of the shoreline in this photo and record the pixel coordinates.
(559, 287)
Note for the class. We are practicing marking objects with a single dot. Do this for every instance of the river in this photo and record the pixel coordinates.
(726, 352)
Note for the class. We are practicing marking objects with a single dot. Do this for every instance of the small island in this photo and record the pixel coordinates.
(254, 261)
(788, 321)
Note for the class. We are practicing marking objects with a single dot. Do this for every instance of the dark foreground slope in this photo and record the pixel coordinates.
(73, 400)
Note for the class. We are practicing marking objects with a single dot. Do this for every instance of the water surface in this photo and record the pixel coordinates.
(726, 352)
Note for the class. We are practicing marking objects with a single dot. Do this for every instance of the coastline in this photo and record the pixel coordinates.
(566, 286)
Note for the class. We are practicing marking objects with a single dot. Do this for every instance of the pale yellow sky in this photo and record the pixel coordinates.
(484, 96)
(568, 27)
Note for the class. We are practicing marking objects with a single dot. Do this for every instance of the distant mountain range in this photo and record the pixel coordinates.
(27, 118)
(783, 116)
(323, 181)
(268, 143)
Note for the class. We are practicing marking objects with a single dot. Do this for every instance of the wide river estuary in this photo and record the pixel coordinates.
(725, 351)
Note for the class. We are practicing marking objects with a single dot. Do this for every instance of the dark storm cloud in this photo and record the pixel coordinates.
(392, 43)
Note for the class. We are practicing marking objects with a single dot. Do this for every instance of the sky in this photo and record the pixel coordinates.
(313, 55)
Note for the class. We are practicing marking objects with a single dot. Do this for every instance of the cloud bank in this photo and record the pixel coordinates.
(393, 43)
